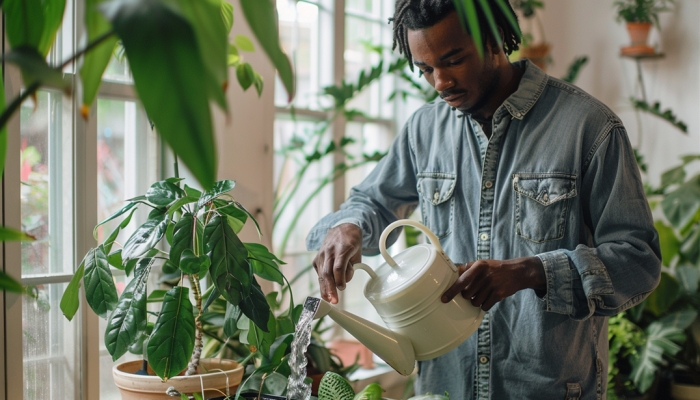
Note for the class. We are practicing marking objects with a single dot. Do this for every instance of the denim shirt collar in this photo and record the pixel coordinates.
(531, 86)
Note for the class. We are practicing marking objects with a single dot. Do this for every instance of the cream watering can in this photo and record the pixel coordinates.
(406, 292)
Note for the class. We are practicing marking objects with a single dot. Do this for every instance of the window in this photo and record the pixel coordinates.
(63, 175)
(330, 41)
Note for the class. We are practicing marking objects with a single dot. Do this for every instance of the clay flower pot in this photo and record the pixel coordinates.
(639, 34)
(223, 377)
(537, 53)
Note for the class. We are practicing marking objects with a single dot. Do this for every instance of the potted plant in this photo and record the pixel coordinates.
(639, 16)
(535, 49)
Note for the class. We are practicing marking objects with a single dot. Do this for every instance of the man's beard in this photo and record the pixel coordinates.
(488, 82)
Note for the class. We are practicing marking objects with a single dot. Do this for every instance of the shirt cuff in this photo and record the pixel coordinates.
(559, 298)
(353, 221)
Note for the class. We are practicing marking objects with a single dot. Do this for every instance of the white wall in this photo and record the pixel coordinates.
(244, 137)
(588, 27)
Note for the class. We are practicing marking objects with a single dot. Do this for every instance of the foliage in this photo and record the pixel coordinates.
(528, 7)
(641, 10)
(468, 15)
(574, 69)
(655, 109)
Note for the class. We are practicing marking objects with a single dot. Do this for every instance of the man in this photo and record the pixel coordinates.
(529, 181)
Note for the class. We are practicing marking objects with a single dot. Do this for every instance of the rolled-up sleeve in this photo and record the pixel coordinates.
(389, 193)
(621, 264)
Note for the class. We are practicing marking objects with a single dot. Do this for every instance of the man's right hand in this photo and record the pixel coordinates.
(341, 249)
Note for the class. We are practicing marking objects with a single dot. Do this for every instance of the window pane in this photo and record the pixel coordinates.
(362, 6)
(46, 191)
(118, 68)
(51, 347)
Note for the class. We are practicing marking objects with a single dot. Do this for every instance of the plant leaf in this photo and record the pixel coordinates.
(217, 190)
(115, 259)
(146, 236)
(262, 19)
(53, 16)
(163, 55)
(245, 75)
(192, 264)
(162, 193)
(690, 249)
(34, 67)
(25, 22)
(113, 216)
(171, 343)
(179, 203)
(100, 291)
(669, 243)
(244, 43)
(254, 306)
(688, 277)
(96, 60)
(182, 238)
(13, 235)
(9, 284)
(113, 236)
(229, 269)
(128, 321)
(681, 205)
(231, 319)
(71, 297)
(664, 295)
(227, 15)
(264, 263)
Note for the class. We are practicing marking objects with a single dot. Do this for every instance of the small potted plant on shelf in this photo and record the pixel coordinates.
(639, 16)
(533, 47)
(200, 229)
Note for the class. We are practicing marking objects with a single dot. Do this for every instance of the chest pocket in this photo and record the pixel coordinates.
(437, 201)
(542, 202)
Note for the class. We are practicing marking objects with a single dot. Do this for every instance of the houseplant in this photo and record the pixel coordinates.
(639, 16)
(534, 44)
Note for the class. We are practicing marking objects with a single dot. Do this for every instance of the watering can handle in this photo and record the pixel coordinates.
(382, 240)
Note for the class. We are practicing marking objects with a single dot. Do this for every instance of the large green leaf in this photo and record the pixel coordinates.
(264, 263)
(96, 60)
(192, 264)
(231, 319)
(673, 176)
(664, 295)
(128, 321)
(254, 305)
(209, 26)
(227, 15)
(34, 67)
(24, 21)
(690, 249)
(219, 188)
(113, 216)
(229, 269)
(100, 291)
(688, 277)
(13, 235)
(171, 343)
(146, 236)
(262, 20)
(9, 284)
(183, 235)
(167, 67)
(162, 193)
(53, 16)
(681, 205)
(179, 203)
(115, 233)
(670, 245)
(663, 338)
(71, 297)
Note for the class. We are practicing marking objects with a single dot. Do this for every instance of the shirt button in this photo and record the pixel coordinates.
(483, 359)
(436, 196)
(488, 184)
(545, 198)
(484, 237)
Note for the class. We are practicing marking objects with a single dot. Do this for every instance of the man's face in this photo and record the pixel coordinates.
(450, 62)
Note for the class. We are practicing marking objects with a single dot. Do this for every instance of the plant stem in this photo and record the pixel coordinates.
(197, 353)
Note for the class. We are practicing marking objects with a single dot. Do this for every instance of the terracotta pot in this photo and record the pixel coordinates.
(685, 392)
(639, 32)
(537, 53)
(150, 387)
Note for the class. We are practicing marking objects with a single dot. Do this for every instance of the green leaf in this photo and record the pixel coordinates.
(184, 238)
(227, 15)
(146, 236)
(209, 26)
(236, 217)
(673, 176)
(244, 43)
(71, 297)
(371, 392)
(162, 193)
(670, 245)
(233, 57)
(128, 321)
(690, 249)
(115, 259)
(164, 56)
(258, 83)
(470, 22)
(171, 343)
(231, 319)
(664, 295)
(279, 347)
(213, 296)
(34, 67)
(100, 291)
(113, 216)
(53, 16)
(192, 264)
(96, 60)
(13, 235)
(24, 21)
(264, 263)
(245, 75)
(179, 203)
(229, 269)
(663, 337)
(113, 236)
(156, 296)
(254, 305)
(681, 205)
(217, 190)
(688, 277)
(262, 19)
(192, 192)
(9, 284)
(257, 226)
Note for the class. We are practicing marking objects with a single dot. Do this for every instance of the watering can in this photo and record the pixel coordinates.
(406, 291)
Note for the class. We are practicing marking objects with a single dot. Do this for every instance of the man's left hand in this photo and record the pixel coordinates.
(487, 282)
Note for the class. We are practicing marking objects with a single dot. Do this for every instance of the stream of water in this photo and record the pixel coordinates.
(296, 388)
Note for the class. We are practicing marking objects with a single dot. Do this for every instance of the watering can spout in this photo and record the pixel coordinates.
(392, 347)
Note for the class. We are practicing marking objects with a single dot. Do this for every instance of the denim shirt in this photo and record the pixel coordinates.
(557, 180)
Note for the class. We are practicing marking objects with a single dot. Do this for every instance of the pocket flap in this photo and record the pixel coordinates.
(546, 188)
(436, 188)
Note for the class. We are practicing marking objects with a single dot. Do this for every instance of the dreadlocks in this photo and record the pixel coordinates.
(421, 14)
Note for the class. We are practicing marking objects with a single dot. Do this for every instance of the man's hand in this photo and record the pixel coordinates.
(486, 282)
(341, 248)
